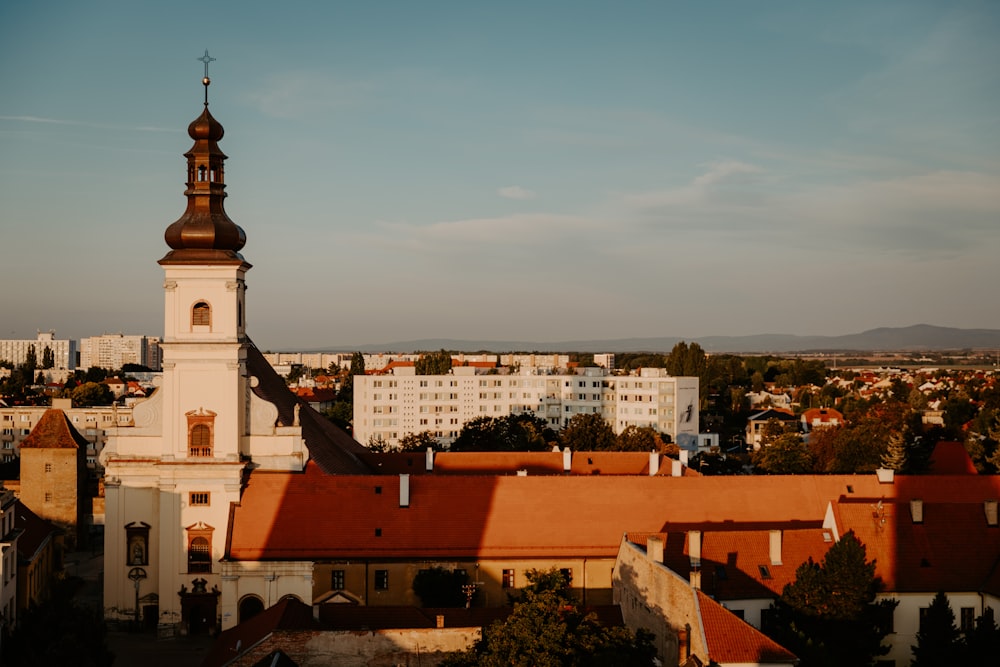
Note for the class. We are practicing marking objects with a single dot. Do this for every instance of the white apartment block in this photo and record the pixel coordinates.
(112, 351)
(394, 405)
(63, 351)
(92, 423)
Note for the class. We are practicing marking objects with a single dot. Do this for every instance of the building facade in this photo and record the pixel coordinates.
(388, 407)
(63, 351)
(112, 351)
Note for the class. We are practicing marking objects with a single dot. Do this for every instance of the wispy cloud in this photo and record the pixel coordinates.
(516, 192)
(79, 123)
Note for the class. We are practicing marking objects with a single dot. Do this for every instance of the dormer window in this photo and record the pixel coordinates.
(201, 314)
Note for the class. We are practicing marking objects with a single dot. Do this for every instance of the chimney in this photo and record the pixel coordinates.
(404, 490)
(775, 547)
(885, 475)
(991, 512)
(685, 456)
(917, 510)
(677, 468)
(429, 459)
(694, 547)
(654, 548)
(567, 459)
(439, 620)
(654, 463)
(522, 473)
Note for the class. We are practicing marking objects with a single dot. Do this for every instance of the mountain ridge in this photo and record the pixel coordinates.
(916, 337)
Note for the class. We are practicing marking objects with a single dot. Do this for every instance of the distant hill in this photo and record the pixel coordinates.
(914, 338)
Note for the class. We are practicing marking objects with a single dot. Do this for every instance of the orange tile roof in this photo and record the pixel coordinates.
(508, 463)
(733, 641)
(731, 559)
(54, 431)
(314, 515)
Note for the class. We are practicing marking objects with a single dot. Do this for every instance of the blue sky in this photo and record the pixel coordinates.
(536, 171)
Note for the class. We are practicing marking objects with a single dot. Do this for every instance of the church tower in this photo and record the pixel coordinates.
(170, 479)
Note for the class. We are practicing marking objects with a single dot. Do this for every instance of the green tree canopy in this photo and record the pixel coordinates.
(828, 616)
(92, 393)
(547, 629)
(418, 442)
(434, 363)
(786, 455)
(48, 357)
(510, 433)
(588, 432)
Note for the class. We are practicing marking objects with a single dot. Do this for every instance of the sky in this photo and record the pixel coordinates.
(531, 171)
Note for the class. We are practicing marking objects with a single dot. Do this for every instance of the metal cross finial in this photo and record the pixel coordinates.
(206, 59)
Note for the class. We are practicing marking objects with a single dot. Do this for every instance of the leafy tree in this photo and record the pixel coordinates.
(31, 359)
(828, 616)
(377, 443)
(95, 374)
(438, 587)
(48, 358)
(938, 641)
(346, 393)
(418, 442)
(510, 433)
(434, 363)
(787, 455)
(340, 413)
(136, 368)
(92, 393)
(547, 629)
(774, 428)
(588, 432)
(639, 439)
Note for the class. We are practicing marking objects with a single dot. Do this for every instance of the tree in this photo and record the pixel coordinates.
(588, 432)
(346, 393)
(547, 629)
(434, 363)
(639, 439)
(340, 413)
(511, 433)
(828, 616)
(31, 359)
(92, 393)
(418, 442)
(786, 455)
(983, 643)
(48, 358)
(938, 641)
(894, 457)
(439, 587)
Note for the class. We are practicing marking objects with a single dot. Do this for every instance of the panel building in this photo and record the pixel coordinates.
(63, 351)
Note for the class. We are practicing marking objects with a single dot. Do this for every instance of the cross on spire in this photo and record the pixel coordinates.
(206, 59)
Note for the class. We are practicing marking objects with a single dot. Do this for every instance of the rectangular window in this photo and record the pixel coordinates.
(337, 580)
(381, 580)
(199, 498)
(48, 467)
(967, 619)
(508, 578)
(48, 496)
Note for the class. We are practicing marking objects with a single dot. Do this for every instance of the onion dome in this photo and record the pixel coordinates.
(204, 234)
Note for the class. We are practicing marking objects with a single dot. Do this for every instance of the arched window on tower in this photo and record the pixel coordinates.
(200, 440)
(201, 314)
(202, 171)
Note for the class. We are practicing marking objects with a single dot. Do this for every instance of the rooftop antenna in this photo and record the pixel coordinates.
(205, 80)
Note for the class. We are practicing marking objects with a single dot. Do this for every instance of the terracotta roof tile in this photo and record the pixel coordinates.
(733, 641)
(54, 431)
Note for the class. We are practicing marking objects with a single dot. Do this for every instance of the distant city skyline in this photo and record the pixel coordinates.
(510, 171)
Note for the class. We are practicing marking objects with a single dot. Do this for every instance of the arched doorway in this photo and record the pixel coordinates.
(250, 606)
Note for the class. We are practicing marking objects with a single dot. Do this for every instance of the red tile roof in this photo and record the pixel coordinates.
(54, 431)
(314, 515)
(951, 458)
(508, 463)
(733, 641)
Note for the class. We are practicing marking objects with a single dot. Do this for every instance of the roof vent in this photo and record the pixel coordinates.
(654, 548)
(654, 463)
(404, 490)
(694, 547)
(885, 475)
(567, 460)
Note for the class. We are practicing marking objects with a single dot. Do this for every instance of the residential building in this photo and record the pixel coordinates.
(112, 351)
(10, 533)
(39, 561)
(63, 351)
(388, 407)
